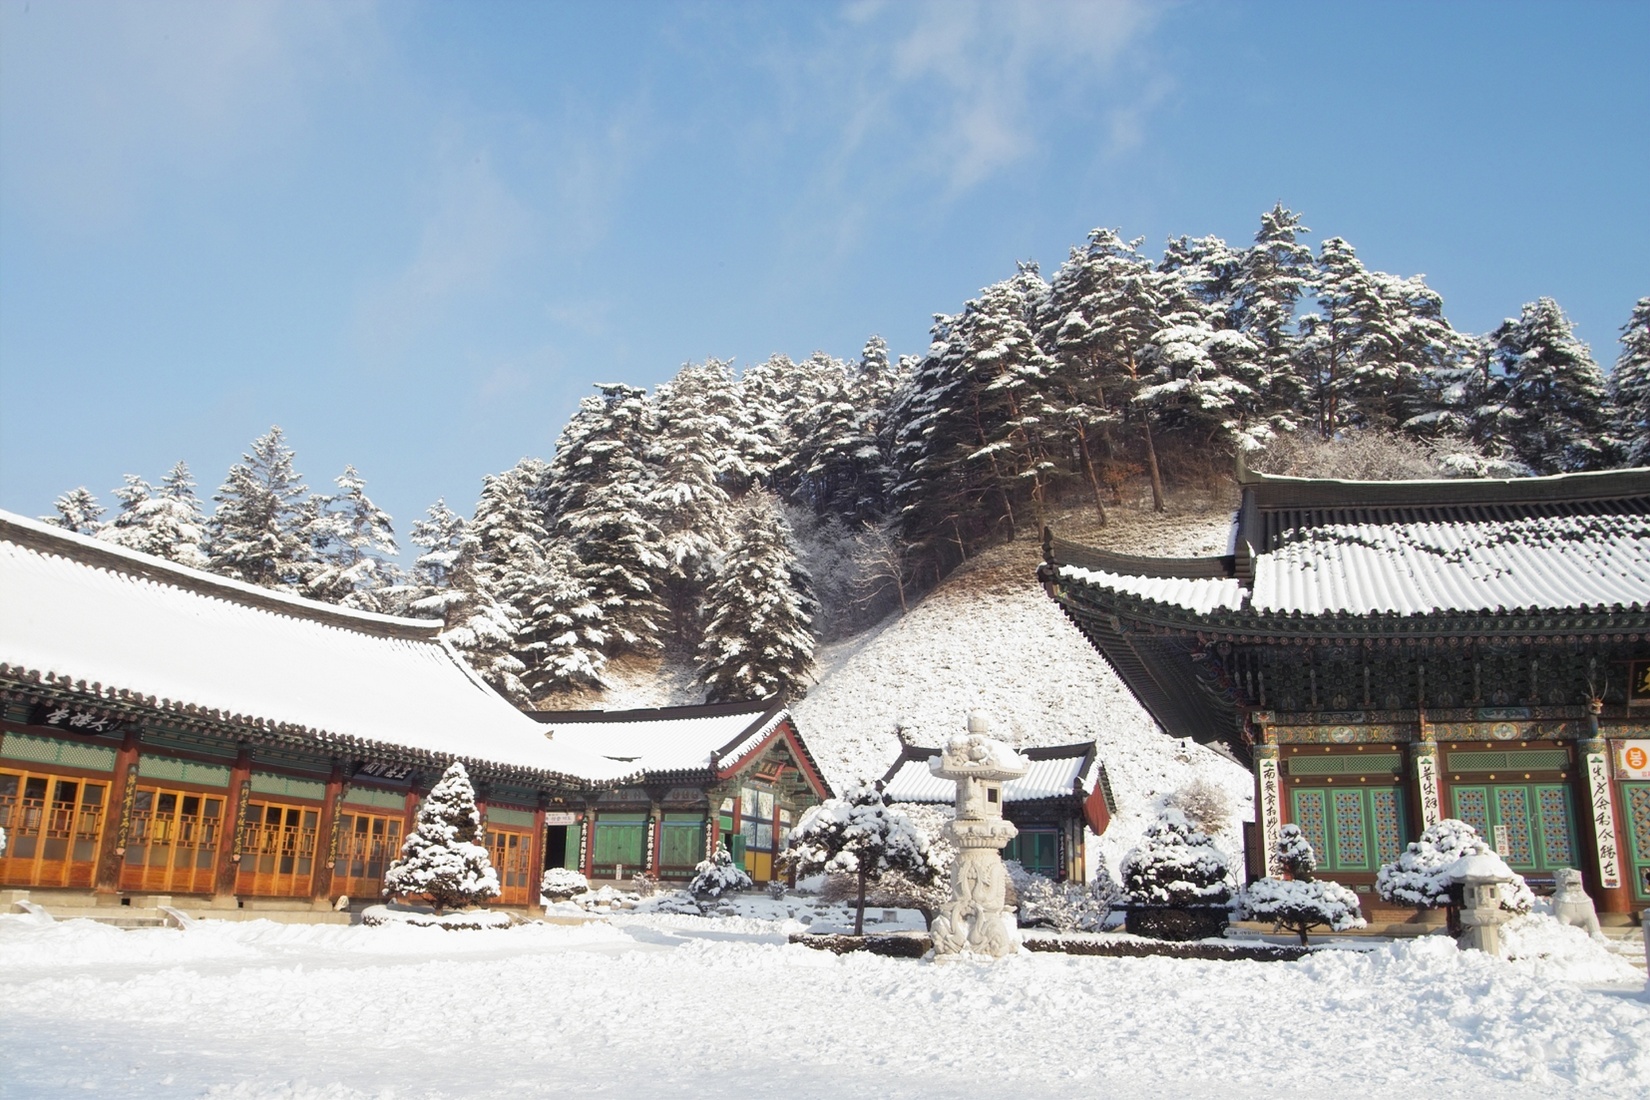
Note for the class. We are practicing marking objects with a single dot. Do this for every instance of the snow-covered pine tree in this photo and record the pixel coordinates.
(444, 857)
(127, 528)
(1299, 903)
(352, 536)
(598, 489)
(716, 876)
(935, 495)
(565, 628)
(262, 529)
(446, 584)
(1630, 386)
(1273, 274)
(858, 835)
(696, 457)
(77, 511)
(759, 609)
(1207, 383)
(1105, 304)
(1545, 403)
(1210, 270)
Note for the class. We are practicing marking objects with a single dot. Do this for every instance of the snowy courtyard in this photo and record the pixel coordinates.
(723, 1007)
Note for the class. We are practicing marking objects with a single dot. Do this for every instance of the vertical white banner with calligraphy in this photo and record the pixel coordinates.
(1426, 785)
(1604, 813)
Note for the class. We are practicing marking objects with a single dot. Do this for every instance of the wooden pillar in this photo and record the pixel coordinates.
(535, 859)
(117, 826)
(233, 841)
(327, 835)
(587, 839)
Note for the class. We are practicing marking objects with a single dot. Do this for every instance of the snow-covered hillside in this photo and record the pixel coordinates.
(989, 639)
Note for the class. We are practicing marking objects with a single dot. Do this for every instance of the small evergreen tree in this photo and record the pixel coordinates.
(716, 876)
(447, 585)
(166, 522)
(444, 858)
(1176, 864)
(77, 511)
(1299, 903)
(859, 835)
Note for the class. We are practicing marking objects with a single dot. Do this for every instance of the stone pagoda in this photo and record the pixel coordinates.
(975, 919)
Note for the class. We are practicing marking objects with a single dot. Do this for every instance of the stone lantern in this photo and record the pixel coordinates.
(974, 920)
(1481, 877)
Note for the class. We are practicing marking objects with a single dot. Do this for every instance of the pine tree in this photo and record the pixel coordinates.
(77, 511)
(262, 529)
(860, 835)
(759, 641)
(1545, 402)
(444, 857)
(166, 522)
(447, 584)
(352, 535)
(566, 629)
(1176, 864)
(598, 491)
(1630, 386)
(1273, 274)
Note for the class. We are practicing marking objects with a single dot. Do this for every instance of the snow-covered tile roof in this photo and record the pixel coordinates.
(77, 609)
(664, 742)
(1200, 594)
(1048, 778)
(1414, 568)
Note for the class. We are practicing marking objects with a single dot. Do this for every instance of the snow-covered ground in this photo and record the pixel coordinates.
(654, 1006)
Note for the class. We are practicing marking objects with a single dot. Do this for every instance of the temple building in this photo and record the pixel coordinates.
(171, 734)
(734, 775)
(1053, 805)
(1386, 654)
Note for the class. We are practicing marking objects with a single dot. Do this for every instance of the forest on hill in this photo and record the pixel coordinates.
(736, 519)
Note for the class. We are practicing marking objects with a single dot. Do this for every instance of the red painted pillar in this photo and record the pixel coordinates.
(326, 835)
(118, 822)
(233, 841)
(535, 859)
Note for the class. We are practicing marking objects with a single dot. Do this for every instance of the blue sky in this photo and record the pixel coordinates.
(414, 234)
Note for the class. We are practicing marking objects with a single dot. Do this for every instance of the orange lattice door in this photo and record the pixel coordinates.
(278, 850)
(52, 825)
(172, 845)
(367, 845)
(509, 851)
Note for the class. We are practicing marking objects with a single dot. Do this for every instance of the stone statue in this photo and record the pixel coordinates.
(975, 919)
(1571, 905)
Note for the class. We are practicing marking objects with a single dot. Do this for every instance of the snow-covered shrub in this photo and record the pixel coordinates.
(563, 883)
(859, 835)
(443, 857)
(1292, 854)
(718, 875)
(1205, 803)
(1066, 906)
(776, 889)
(644, 884)
(1299, 903)
(1419, 877)
(1176, 864)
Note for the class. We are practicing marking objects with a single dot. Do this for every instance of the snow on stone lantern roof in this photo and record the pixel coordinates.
(87, 620)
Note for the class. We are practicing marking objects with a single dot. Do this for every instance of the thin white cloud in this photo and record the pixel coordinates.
(472, 227)
(984, 70)
(102, 104)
